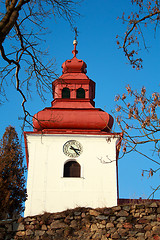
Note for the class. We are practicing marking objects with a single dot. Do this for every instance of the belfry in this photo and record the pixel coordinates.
(71, 153)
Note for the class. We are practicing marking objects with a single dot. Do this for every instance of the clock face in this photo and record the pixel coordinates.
(72, 148)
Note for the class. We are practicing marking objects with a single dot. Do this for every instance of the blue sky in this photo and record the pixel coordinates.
(107, 66)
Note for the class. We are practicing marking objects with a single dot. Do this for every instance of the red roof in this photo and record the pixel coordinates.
(74, 112)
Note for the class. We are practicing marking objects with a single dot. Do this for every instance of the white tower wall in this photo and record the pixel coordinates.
(49, 191)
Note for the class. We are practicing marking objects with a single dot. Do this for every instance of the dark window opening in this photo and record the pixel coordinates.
(80, 93)
(65, 93)
(72, 169)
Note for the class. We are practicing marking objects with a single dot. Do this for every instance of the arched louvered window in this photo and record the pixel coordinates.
(72, 169)
(65, 93)
(80, 93)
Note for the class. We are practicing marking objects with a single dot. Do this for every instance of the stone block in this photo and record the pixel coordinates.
(117, 208)
(112, 218)
(100, 226)
(154, 205)
(121, 219)
(44, 227)
(140, 235)
(20, 227)
(50, 232)
(139, 226)
(119, 225)
(107, 211)
(142, 221)
(156, 230)
(60, 231)
(109, 225)
(136, 215)
(115, 236)
(94, 212)
(28, 219)
(123, 232)
(104, 237)
(127, 225)
(29, 227)
(97, 235)
(148, 235)
(155, 224)
(73, 224)
(123, 213)
(77, 213)
(102, 217)
(20, 233)
(57, 224)
(150, 217)
(148, 227)
(39, 233)
(77, 217)
(132, 233)
(94, 227)
(29, 232)
(126, 208)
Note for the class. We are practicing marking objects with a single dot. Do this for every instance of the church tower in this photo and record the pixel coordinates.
(71, 153)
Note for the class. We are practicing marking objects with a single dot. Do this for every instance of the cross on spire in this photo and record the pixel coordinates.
(75, 42)
(76, 33)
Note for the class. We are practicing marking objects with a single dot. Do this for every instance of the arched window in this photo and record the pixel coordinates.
(65, 93)
(80, 93)
(72, 169)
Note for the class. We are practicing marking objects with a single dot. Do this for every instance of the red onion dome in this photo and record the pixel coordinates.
(74, 65)
(81, 119)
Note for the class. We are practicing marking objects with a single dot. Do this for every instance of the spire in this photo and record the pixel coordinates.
(75, 43)
(74, 65)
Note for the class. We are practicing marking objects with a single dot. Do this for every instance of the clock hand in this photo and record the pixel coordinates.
(75, 149)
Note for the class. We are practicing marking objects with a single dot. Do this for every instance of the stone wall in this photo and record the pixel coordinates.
(135, 221)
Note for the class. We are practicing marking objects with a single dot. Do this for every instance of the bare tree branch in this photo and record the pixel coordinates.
(148, 12)
(22, 27)
(138, 118)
